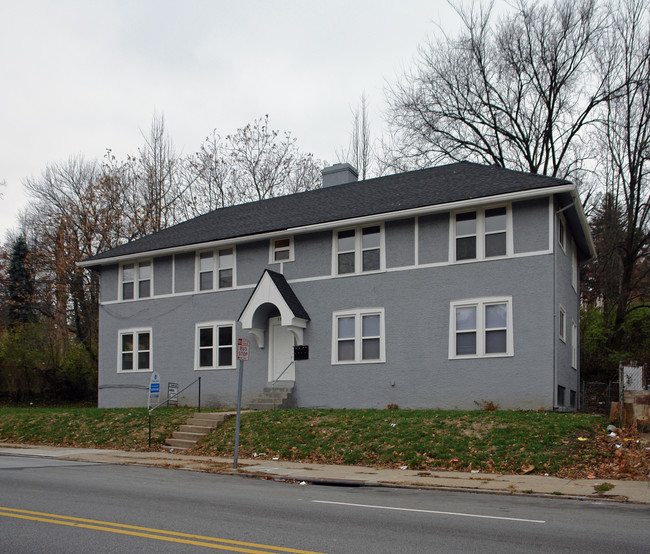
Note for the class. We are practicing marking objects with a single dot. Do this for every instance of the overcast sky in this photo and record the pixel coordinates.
(78, 77)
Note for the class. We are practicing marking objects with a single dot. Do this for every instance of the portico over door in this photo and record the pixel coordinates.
(281, 342)
(273, 296)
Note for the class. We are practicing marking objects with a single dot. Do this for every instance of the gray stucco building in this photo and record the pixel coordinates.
(439, 288)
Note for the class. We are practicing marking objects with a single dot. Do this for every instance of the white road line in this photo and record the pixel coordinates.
(460, 514)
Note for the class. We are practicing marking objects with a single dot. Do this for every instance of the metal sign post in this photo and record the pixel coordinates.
(243, 351)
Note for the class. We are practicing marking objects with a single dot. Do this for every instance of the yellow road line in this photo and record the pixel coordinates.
(123, 529)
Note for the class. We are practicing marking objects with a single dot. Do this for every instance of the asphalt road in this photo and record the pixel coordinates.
(49, 505)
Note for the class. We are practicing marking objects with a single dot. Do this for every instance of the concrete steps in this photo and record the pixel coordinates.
(279, 398)
(196, 427)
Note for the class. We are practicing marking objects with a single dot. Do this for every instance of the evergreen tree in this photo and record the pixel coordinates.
(21, 284)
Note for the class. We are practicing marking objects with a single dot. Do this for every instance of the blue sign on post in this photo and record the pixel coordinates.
(154, 388)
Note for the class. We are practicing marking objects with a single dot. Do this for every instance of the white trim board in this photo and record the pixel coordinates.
(361, 220)
(328, 277)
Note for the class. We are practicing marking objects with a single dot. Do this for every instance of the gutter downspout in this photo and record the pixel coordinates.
(555, 304)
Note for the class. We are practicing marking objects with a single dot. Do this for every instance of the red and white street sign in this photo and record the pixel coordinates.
(243, 349)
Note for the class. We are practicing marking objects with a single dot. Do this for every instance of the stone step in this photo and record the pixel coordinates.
(285, 390)
(180, 443)
(279, 397)
(264, 405)
(202, 429)
(210, 423)
(197, 427)
(269, 396)
(216, 416)
(196, 437)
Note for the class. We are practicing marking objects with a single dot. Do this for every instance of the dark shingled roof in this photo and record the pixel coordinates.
(403, 191)
(289, 296)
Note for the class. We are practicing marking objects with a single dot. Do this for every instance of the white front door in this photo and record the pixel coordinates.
(281, 343)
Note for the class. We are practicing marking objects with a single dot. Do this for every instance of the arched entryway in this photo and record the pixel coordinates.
(275, 317)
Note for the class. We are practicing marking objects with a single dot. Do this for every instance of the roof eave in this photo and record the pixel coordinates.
(384, 216)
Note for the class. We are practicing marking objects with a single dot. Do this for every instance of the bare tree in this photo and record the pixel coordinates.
(267, 163)
(75, 212)
(517, 92)
(625, 149)
(157, 173)
(209, 175)
(360, 151)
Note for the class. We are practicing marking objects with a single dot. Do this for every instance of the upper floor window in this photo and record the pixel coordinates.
(215, 345)
(359, 250)
(562, 329)
(480, 234)
(358, 336)
(561, 232)
(574, 266)
(481, 328)
(281, 250)
(136, 280)
(135, 350)
(215, 269)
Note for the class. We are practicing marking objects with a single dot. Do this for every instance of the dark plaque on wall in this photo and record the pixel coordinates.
(301, 352)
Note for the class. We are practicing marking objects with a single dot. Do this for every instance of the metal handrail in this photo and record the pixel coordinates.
(277, 379)
(174, 396)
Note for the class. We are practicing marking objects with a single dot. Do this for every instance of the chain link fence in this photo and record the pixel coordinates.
(597, 396)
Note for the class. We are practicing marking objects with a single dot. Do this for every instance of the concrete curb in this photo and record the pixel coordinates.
(378, 484)
(637, 492)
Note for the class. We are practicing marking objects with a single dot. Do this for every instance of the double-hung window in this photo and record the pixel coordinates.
(481, 328)
(480, 234)
(562, 323)
(358, 336)
(215, 269)
(359, 250)
(574, 266)
(561, 232)
(281, 250)
(215, 345)
(134, 347)
(574, 345)
(136, 280)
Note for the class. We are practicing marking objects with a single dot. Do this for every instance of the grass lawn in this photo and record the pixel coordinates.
(499, 441)
(124, 429)
(567, 445)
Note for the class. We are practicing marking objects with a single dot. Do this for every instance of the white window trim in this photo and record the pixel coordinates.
(480, 304)
(562, 323)
(480, 234)
(574, 265)
(574, 345)
(561, 237)
(358, 250)
(273, 249)
(215, 269)
(215, 347)
(134, 332)
(357, 314)
(136, 281)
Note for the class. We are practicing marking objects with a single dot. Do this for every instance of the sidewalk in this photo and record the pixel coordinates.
(340, 475)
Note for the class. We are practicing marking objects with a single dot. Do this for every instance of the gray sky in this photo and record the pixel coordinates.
(79, 76)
